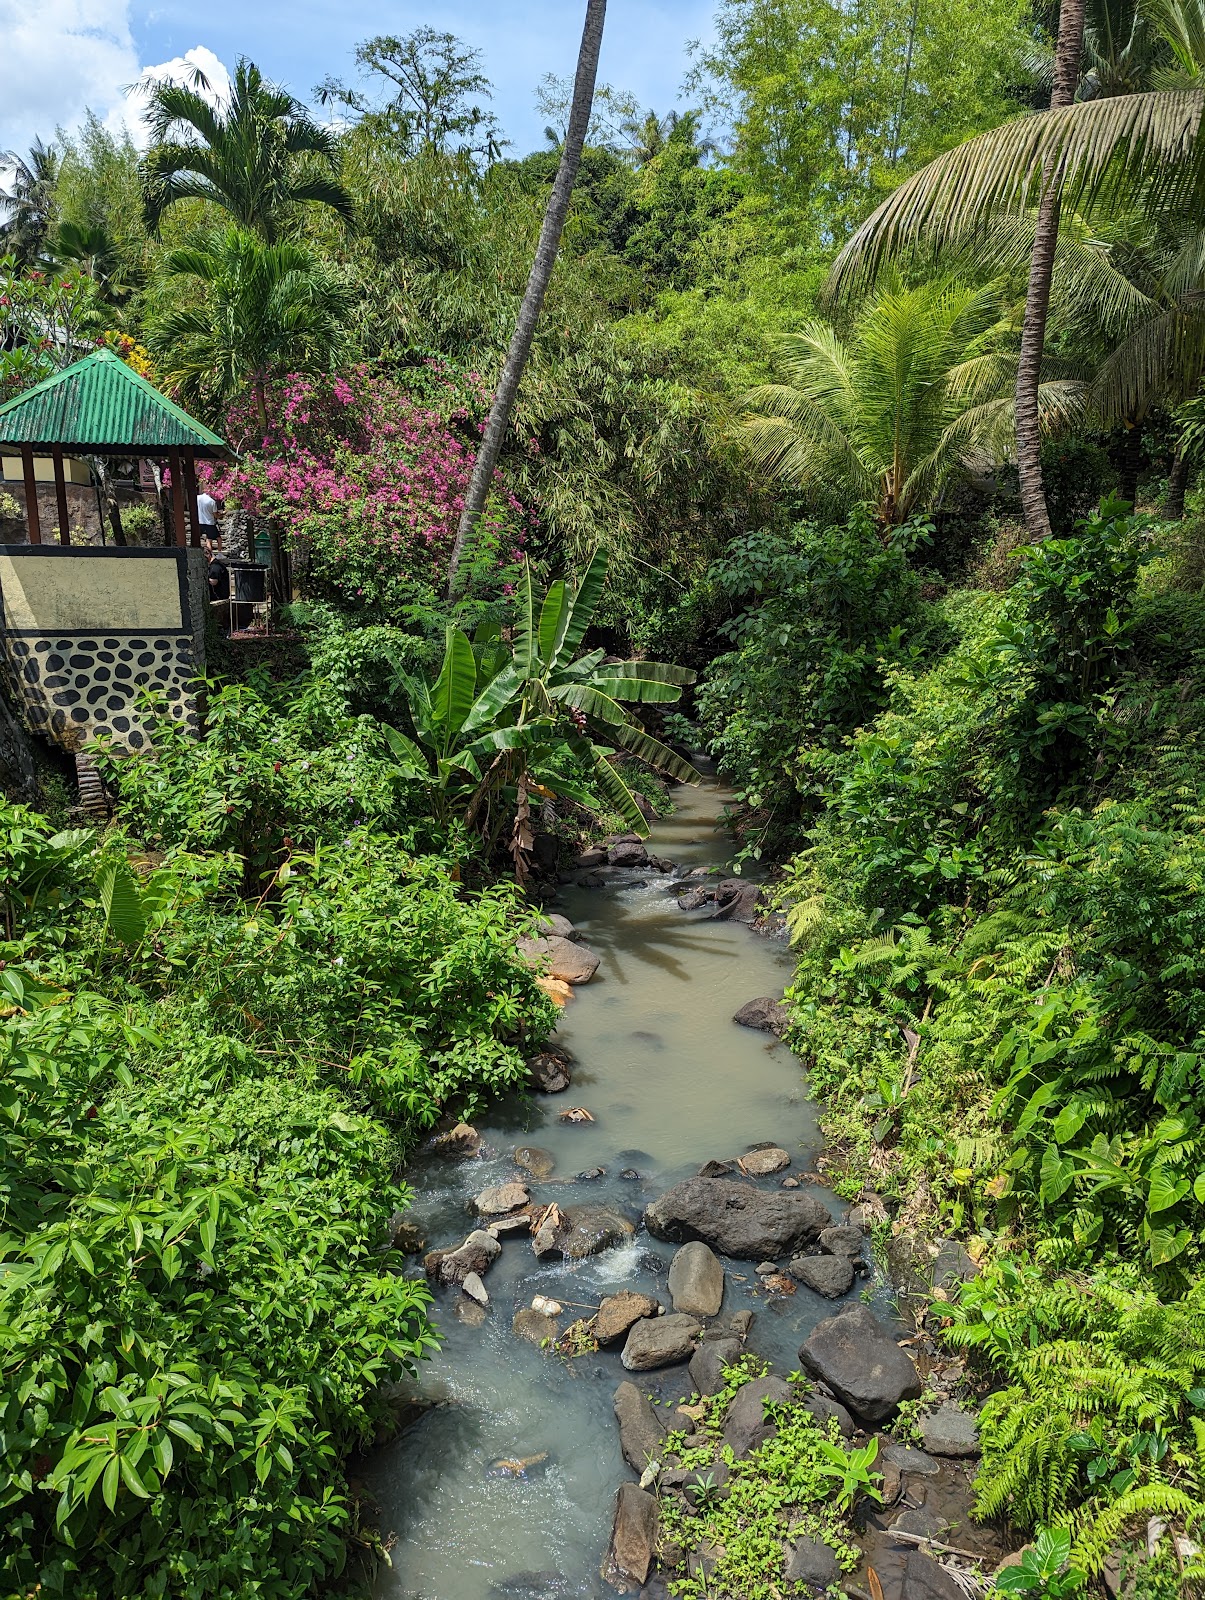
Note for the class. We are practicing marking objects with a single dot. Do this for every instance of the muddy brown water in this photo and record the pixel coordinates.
(671, 1081)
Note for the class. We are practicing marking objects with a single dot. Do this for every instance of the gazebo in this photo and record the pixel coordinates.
(101, 407)
(87, 631)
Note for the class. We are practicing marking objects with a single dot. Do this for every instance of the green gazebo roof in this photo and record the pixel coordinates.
(101, 405)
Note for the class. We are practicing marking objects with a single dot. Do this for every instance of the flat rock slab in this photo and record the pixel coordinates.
(831, 1276)
(919, 1577)
(627, 855)
(736, 1219)
(560, 958)
(950, 1431)
(766, 1014)
(709, 1361)
(633, 1537)
(910, 1462)
(696, 1280)
(619, 1311)
(504, 1197)
(855, 1355)
(641, 1431)
(660, 1342)
(760, 1163)
(746, 1424)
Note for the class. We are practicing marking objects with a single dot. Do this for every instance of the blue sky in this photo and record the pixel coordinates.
(63, 55)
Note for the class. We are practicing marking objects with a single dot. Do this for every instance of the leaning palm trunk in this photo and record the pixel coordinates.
(537, 284)
(1037, 296)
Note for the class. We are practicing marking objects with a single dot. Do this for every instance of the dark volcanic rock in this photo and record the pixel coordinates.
(627, 855)
(640, 1429)
(454, 1266)
(766, 1013)
(696, 1280)
(746, 1426)
(708, 1363)
(592, 1229)
(633, 1536)
(813, 1563)
(831, 1276)
(822, 1408)
(842, 1240)
(857, 1358)
(736, 1219)
(950, 1431)
(550, 1071)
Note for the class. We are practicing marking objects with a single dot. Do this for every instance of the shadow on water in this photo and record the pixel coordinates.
(671, 1082)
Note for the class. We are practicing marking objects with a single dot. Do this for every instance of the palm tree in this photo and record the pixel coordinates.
(29, 202)
(263, 308)
(255, 157)
(537, 283)
(918, 394)
(1076, 153)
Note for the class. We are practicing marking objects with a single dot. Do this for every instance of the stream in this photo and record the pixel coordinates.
(671, 1081)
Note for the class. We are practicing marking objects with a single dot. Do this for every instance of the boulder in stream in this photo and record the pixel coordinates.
(765, 1013)
(458, 1143)
(831, 1276)
(536, 1326)
(696, 1280)
(619, 1311)
(560, 958)
(552, 925)
(502, 1198)
(536, 1162)
(855, 1355)
(454, 1266)
(550, 1071)
(842, 1239)
(633, 1538)
(641, 1431)
(592, 1229)
(630, 853)
(736, 1219)
(764, 1160)
(660, 1342)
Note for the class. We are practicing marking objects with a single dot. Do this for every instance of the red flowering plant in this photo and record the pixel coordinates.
(365, 480)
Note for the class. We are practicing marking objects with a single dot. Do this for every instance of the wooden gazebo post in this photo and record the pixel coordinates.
(32, 515)
(60, 493)
(177, 471)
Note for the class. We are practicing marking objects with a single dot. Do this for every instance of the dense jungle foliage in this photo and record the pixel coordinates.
(968, 755)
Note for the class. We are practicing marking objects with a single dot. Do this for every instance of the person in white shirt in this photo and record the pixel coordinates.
(207, 516)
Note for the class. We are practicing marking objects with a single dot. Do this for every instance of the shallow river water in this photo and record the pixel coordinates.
(671, 1081)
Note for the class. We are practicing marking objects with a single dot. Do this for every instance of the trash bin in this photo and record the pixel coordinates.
(248, 590)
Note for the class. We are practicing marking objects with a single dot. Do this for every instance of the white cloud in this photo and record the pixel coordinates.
(64, 57)
(197, 68)
(60, 58)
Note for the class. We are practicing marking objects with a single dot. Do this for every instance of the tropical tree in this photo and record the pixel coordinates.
(436, 89)
(1146, 146)
(256, 156)
(918, 392)
(28, 205)
(537, 283)
(503, 722)
(261, 308)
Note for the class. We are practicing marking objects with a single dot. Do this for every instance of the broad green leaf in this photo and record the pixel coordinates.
(409, 756)
(554, 618)
(455, 688)
(110, 1482)
(1165, 1245)
(121, 901)
(584, 604)
(81, 1253)
(1164, 1191)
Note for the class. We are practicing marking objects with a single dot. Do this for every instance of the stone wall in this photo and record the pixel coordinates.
(84, 631)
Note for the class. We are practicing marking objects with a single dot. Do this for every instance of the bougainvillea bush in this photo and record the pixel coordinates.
(365, 477)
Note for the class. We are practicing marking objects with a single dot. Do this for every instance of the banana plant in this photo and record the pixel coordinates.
(533, 716)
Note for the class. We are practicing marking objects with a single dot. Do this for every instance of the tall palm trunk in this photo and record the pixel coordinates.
(1177, 484)
(1131, 462)
(1037, 297)
(537, 283)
